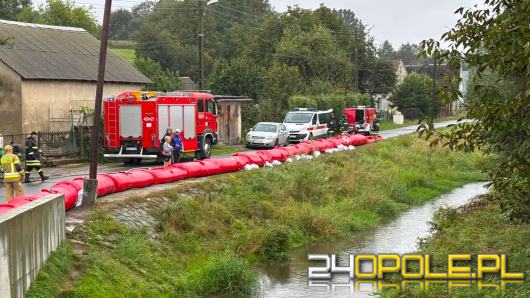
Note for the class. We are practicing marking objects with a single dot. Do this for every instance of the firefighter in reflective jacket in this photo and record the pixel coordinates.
(12, 174)
(32, 157)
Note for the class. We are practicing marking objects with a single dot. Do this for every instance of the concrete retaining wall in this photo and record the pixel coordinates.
(28, 234)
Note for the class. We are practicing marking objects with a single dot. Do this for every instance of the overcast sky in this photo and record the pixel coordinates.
(398, 21)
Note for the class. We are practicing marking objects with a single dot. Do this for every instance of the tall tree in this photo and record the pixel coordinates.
(57, 12)
(120, 24)
(493, 41)
(386, 51)
(10, 9)
(413, 96)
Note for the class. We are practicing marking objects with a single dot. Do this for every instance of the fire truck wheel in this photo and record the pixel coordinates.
(206, 148)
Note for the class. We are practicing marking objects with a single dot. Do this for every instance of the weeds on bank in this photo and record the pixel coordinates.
(479, 228)
(208, 234)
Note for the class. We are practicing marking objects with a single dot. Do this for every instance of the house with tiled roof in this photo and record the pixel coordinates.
(46, 71)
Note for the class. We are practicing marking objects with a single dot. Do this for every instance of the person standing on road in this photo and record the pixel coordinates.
(13, 173)
(32, 158)
(169, 133)
(167, 151)
(178, 147)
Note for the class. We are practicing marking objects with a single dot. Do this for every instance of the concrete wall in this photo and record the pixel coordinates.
(28, 234)
(10, 103)
(39, 97)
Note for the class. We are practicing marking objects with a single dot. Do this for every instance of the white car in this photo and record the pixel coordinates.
(268, 134)
(307, 124)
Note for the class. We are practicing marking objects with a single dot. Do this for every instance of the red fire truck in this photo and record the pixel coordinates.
(136, 121)
(361, 119)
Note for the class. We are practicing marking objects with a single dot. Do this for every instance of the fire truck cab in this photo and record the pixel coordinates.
(135, 122)
(361, 119)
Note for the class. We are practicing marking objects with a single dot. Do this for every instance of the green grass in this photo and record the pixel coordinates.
(479, 228)
(209, 232)
(128, 54)
(52, 275)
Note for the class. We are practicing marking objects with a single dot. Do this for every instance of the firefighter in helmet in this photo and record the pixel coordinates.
(32, 157)
(12, 174)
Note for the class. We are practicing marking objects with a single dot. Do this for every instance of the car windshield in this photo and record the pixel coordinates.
(298, 117)
(265, 127)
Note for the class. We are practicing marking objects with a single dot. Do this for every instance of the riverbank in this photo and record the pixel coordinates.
(201, 238)
(478, 227)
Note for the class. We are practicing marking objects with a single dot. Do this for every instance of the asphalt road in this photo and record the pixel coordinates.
(61, 173)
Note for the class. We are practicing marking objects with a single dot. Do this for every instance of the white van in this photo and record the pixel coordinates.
(307, 124)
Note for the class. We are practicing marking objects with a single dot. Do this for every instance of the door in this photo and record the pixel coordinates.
(179, 117)
(131, 121)
(283, 135)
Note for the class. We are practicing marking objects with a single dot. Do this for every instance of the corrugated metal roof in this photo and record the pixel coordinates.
(60, 53)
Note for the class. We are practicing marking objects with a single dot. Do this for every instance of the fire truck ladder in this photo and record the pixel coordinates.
(112, 124)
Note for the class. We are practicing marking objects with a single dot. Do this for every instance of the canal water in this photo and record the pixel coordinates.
(398, 236)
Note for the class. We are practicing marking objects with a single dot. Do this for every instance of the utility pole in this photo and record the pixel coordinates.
(200, 44)
(200, 39)
(433, 113)
(91, 184)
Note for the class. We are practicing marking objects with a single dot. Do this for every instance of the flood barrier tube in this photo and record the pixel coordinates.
(241, 160)
(193, 168)
(277, 154)
(168, 174)
(122, 181)
(284, 151)
(4, 208)
(210, 167)
(227, 164)
(267, 157)
(38, 195)
(141, 178)
(106, 184)
(19, 201)
(69, 189)
(252, 158)
(358, 139)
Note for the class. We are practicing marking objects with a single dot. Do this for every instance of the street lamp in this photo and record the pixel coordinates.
(201, 38)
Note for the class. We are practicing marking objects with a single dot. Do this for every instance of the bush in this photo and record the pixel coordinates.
(275, 245)
(415, 92)
(224, 274)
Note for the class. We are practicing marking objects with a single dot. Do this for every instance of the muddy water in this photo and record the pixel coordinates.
(398, 236)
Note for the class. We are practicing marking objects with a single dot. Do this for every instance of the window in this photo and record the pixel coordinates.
(265, 127)
(293, 117)
(200, 106)
(210, 106)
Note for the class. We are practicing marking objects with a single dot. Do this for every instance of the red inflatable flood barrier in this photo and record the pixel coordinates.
(211, 168)
(106, 184)
(252, 158)
(141, 178)
(277, 154)
(265, 154)
(69, 189)
(358, 139)
(228, 164)
(194, 169)
(168, 174)
(122, 180)
(4, 208)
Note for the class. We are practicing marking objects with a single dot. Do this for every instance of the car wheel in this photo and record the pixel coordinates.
(275, 143)
(310, 136)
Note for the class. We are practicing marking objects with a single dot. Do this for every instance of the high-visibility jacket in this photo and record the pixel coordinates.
(13, 171)
(32, 153)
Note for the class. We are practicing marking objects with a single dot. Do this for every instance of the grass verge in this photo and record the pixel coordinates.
(208, 234)
(476, 228)
(128, 54)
